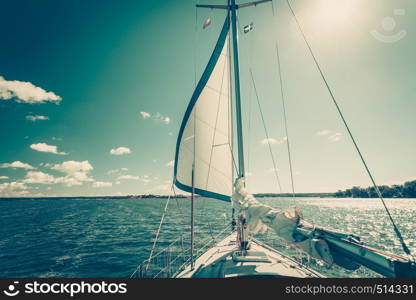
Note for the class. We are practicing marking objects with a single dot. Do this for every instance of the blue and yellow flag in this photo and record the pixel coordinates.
(248, 28)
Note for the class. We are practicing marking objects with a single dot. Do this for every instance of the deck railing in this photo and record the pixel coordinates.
(176, 256)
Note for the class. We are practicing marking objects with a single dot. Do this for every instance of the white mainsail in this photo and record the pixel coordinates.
(204, 141)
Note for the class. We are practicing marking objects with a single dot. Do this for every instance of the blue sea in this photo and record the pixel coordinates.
(109, 238)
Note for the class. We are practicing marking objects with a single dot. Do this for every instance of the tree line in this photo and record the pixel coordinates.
(406, 190)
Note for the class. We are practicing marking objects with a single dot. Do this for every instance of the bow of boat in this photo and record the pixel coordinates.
(225, 260)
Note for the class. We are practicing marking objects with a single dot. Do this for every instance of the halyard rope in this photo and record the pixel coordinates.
(279, 69)
(266, 132)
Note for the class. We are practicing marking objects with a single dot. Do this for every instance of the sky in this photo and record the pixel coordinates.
(92, 93)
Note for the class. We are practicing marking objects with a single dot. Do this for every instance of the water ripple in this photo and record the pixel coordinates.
(108, 238)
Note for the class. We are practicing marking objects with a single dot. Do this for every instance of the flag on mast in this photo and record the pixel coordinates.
(248, 28)
(206, 23)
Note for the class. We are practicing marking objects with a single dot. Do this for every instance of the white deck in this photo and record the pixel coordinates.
(223, 261)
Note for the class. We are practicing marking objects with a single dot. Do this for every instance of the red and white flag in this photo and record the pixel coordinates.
(206, 23)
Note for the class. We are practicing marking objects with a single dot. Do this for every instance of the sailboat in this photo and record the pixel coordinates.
(210, 162)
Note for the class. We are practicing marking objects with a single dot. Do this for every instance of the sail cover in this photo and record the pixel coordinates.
(204, 140)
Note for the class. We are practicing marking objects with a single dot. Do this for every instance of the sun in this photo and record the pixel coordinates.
(334, 13)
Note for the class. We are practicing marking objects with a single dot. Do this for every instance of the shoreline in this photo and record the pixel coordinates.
(138, 197)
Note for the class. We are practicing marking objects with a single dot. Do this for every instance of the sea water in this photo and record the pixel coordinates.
(109, 238)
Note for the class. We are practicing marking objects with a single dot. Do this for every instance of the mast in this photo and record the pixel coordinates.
(241, 230)
(231, 8)
(240, 144)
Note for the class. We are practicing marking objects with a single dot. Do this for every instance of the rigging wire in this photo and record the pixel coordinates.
(211, 34)
(250, 59)
(196, 43)
(216, 123)
(173, 182)
(248, 55)
(286, 126)
(158, 229)
(263, 121)
(232, 156)
(231, 123)
(279, 69)
(179, 206)
(266, 132)
(396, 229)
(192, 221)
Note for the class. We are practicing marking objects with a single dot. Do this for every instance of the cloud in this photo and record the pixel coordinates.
(39, 177)
(44, 178)
(332, 136)
(16, 164)
(43, 147)
(116, 171)
(335, 137)
(70, 181)
(170, 164)
(120, 151)
(145, 115)
(323, 132)
(158, 117)
(72, 167)
(77, 172)
(11, 189)
(4, 177)
(25, 92)
(145, 179)
(128, 177)
(161, 118)
(273, 141)
(162, 188)
(15, 185)
(99, 184)
(36, 118)
(46, 165)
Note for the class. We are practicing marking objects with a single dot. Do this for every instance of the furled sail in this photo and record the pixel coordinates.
(204, 140)
(260, 217)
